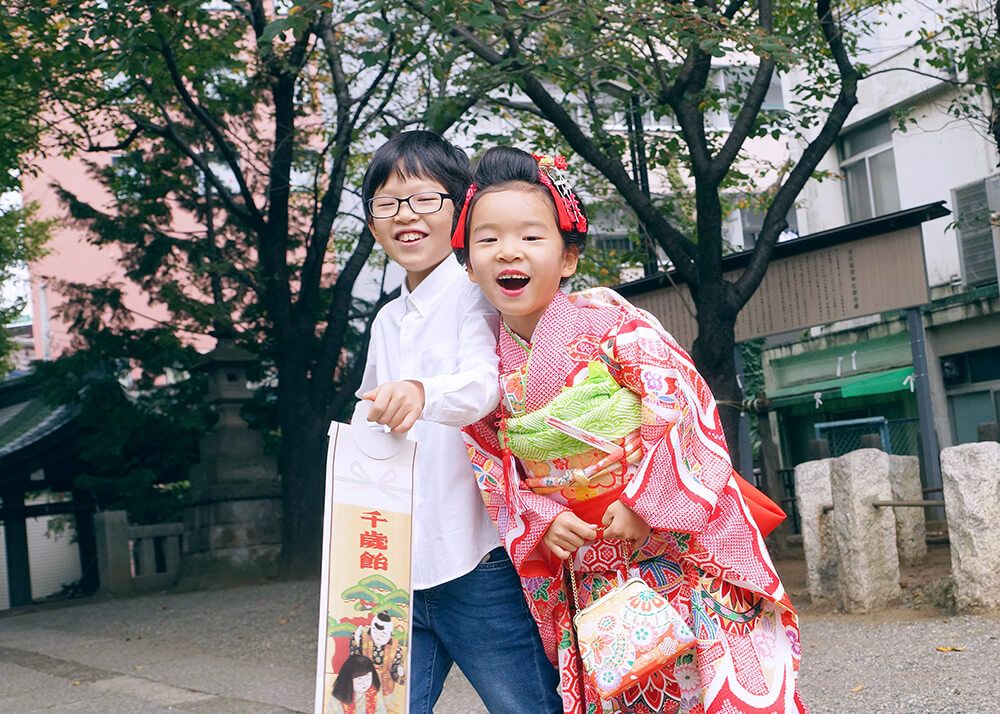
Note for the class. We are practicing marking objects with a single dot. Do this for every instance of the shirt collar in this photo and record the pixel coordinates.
(433, 287)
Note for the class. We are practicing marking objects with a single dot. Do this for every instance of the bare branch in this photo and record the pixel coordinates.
(167, 131)
(774, 221)
(120, 146)
(213, 127)
(678, 246)
(525, 107)
(733, 8)
(750, 109)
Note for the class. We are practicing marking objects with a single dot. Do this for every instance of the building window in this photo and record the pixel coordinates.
(870, 170)
(656, 121)
(752, 222)
(975, 235)
(968, 412)
(736, 82)
(618, 242)
(972, 380)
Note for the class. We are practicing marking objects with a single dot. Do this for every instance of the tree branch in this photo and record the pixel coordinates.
(784, 199)
(338, 313)
(120, 146)
(167, 131)
(677, 246)
(750, 109)
(206, 120)
(516, 106)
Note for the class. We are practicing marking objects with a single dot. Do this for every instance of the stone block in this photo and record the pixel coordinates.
(911, 524)
(251, 511)
(196, 540)
(865, 535)
(971, 478)
(812, 493)
(114, 564)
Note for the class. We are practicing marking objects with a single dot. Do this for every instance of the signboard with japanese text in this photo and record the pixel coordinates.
(812, 288)
(364, 635)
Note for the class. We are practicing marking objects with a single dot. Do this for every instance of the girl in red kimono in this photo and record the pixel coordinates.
(669, 510)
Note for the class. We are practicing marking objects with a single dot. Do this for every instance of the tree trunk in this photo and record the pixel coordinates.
(778, 540)
(302, 463)
(713, 355)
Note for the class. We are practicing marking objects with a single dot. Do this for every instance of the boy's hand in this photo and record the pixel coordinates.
(396, 405)
(567, 533)
(622, 522)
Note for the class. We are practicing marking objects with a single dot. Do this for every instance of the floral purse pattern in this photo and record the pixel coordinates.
(627, 635)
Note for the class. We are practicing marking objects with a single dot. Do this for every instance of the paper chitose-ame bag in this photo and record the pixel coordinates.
(365, 617)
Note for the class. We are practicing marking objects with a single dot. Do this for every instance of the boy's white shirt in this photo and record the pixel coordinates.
(443, 334)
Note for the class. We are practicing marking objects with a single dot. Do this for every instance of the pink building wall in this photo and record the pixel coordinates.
(72, 257)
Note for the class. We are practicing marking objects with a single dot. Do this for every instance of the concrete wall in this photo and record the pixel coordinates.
(54, 559)
(960, 329)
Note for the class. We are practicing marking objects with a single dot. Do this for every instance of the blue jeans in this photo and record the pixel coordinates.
(481, 622)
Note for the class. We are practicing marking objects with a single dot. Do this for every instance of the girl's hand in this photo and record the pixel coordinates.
(622, 522)
(396, 405)
(567, 533)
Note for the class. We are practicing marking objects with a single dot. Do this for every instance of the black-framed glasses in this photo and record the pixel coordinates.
(424, 202)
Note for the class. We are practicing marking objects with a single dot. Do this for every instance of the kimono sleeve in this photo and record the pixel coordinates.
(686, 465)
(521, 516)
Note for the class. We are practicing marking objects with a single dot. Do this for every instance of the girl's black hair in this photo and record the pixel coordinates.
(504, 166)
(418, 153)
(354, 666)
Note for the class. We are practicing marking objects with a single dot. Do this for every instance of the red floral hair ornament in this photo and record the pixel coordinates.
(552, 174)
(458, 237)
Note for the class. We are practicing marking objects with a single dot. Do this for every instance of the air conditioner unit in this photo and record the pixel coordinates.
(993, 203)
(993, 193)
(953, 370)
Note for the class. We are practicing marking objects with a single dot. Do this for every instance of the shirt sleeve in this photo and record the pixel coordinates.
(521, 516)
(369, 380)
(472, 390)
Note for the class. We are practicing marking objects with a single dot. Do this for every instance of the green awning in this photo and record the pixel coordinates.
(895, 380)
(853, 385)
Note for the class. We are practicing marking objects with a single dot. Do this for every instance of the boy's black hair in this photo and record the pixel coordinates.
(418, 153)
(354, 666)
(502, 167)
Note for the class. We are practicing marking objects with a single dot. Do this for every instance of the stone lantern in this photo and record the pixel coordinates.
(233, 514)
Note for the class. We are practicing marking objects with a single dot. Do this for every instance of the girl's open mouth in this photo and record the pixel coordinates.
(512, 284)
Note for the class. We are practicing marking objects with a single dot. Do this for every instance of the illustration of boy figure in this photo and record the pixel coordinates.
(356, 689)
(376, 643)
(431, 369)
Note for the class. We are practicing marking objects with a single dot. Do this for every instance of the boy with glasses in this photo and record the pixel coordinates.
(432, 367)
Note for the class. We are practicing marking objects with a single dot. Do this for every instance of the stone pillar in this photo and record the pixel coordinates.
(865, 535)
(812, 493)
(872, 441)
(971, 475)
(233, 516)
(911, 524)
(990, 431)
(819, 449)
(114, 564)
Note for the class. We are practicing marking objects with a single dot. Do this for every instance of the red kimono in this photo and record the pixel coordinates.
(705, 554)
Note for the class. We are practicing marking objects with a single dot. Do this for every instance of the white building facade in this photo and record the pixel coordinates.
(902, 148)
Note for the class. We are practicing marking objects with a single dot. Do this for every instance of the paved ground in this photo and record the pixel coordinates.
(250, 650)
